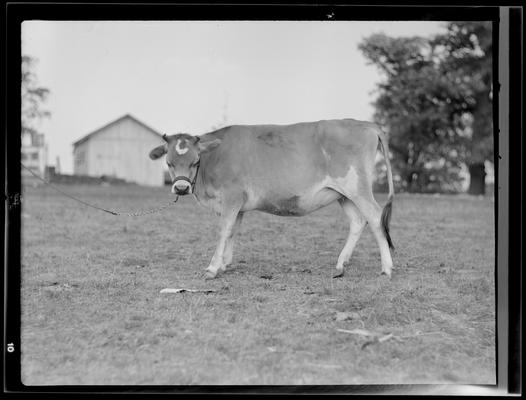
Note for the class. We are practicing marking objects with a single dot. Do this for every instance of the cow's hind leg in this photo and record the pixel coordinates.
(229, 246)
(356, 224)
(373, 214)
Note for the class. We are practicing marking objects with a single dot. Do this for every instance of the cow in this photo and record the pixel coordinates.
(286, 170)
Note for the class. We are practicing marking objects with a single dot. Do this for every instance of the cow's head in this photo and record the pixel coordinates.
(183, 155)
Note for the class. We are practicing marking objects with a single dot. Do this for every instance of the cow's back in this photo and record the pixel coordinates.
(279, 163)
(269, 157)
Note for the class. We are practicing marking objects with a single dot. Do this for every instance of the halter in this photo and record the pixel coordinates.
(191, 182)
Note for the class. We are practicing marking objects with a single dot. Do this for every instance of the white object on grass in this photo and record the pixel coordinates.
(169, 290)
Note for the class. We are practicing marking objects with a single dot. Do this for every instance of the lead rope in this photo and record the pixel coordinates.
(129, 214)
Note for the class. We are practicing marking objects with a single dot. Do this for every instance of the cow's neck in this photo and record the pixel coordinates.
(204, 191)
(200, 187)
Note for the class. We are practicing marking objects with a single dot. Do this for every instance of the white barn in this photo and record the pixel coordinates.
(120, 149)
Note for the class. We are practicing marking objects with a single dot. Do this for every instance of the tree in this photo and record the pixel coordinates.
(413, 106)
(33, 97)
(467, 55)
(429, 106)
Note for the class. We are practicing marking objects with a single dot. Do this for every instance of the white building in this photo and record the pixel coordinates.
(33, 155)
(120, 149)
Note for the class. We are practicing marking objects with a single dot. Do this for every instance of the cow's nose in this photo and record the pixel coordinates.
(181, 187)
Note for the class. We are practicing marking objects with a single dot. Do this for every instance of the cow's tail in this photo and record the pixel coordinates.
(386, 212)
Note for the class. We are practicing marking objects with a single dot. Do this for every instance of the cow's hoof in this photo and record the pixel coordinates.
(210, 275)
(339, 274)
(386, 274)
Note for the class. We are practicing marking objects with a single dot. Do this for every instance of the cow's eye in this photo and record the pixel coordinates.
(194, 164)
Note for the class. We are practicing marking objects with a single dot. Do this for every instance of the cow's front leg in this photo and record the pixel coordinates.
(228, 220)
(229, 246)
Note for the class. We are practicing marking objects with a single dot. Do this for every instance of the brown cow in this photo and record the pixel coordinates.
(288, 170)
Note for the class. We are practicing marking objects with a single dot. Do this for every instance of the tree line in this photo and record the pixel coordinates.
(435, 102)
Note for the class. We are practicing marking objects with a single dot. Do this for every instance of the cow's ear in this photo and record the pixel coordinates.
(207, 146)
(159, 151)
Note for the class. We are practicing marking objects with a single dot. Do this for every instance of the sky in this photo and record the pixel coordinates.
(195, 76)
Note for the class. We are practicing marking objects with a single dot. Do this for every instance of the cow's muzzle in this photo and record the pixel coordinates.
(182, 186)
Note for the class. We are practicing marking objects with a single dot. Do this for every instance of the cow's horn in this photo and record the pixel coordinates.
(165, 138)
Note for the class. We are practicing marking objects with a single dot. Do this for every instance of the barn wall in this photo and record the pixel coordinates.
(80, 159)
(121, 150)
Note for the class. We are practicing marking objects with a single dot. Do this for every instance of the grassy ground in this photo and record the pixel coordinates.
(92, 312)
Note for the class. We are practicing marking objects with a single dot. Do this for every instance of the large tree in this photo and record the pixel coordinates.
(466, 55)
(429, 107)
(33, 98)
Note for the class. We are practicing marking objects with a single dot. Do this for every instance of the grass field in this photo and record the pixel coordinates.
(92, 312)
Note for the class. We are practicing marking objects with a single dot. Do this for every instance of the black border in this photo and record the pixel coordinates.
(515, 178)
(248, 12)
(18, 12)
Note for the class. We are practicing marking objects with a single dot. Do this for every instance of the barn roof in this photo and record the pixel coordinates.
(126, 116)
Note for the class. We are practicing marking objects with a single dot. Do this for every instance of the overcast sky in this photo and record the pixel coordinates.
(179, 76)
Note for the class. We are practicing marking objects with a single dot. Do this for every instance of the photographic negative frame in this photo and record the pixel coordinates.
(507, 25)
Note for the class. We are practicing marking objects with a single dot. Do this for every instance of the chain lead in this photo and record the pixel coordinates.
(128, 214)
